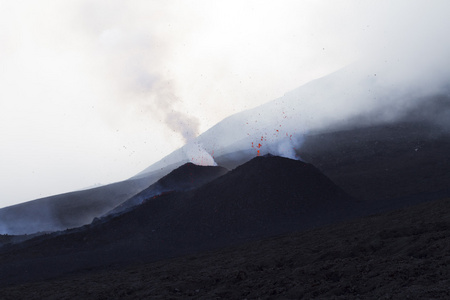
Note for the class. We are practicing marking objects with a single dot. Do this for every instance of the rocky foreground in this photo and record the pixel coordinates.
(403, 254)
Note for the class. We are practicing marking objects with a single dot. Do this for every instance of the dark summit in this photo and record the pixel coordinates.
(265, 196)
(184, 178)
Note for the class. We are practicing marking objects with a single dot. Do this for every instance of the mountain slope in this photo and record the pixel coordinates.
(186, 177)
(353, 97)
(397, 255)
(266, 196)
(70, 210)
(385, 161)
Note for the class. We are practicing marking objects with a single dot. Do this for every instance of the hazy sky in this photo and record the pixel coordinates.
(95, 91)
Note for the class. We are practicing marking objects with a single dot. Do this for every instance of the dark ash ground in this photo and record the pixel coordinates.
(399, 172)
(399, 255)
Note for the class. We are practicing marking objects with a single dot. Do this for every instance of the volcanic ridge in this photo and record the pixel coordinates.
(265, 196)
(186, 177)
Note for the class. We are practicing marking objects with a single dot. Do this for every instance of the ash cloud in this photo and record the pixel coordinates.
(141, 82)
(401, 51)
(109, 60)
(30, 218)
(197, 154)
(164, 104)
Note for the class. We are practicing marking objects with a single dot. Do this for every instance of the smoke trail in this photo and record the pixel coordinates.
(197, 154)
(165, 104)
(187, 126)
(152, 92)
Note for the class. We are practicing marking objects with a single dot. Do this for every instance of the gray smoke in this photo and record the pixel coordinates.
(175, 68)
(187, 126)
(165, 106)
(401, 53)
(28, 218)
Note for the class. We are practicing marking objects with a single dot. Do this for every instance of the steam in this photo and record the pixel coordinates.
(288, 148)
(150, 76)
(401, 53)
(31, 218)
(165, 105)
(185, 125)
(198, 155)
(275, 140)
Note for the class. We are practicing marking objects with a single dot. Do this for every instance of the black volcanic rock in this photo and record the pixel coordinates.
(385, 161)
(186, 177)
(269, 194)
(69, 210)
(266, 196)
(397, 255)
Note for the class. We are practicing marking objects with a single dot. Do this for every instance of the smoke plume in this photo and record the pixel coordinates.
(165, 105)
(185, 125)
(148, 76)
(198, 155)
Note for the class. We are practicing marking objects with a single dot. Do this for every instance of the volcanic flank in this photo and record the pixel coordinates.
(186, 177)
(72, 209)
(265, 196)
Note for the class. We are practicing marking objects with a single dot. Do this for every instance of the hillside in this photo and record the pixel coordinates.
(266, 196)
(396, 255)
(186, 177)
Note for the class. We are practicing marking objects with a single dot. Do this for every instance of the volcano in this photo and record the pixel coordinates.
(72, 209)
(265, 196)
(391, 147)
(384, 159)
(186, 177)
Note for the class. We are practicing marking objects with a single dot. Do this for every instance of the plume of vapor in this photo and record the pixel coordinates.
(184, 124)
(187, 126)
(139, 76)
(165, 101)
(24, 219)
(197, 154)
(402, 46)
(150, 68)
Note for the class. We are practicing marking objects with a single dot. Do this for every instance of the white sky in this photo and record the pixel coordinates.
(95, 91)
